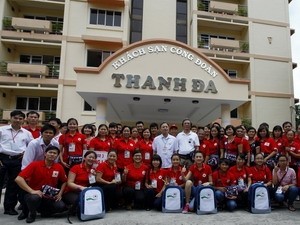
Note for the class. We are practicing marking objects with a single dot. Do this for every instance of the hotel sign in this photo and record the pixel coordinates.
(179, 84)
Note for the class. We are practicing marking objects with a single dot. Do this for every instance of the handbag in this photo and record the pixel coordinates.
(49, 191)
(231, 191)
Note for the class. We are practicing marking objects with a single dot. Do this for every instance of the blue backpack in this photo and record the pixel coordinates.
(259, 201)
(172, 199)
(205, 200)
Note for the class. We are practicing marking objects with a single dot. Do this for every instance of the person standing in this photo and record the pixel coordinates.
(164, 145)
(187, 144)
(32, 123)
(40, 180)
(13, 142)
(56, 122)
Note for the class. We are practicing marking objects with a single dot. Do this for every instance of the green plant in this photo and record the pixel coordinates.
(242, 11)
(246, 122)
(3, 67)
(201, 6)
(6, 22)
(57, 27)
(245, 47)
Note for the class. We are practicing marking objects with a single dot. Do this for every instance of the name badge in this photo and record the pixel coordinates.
(118, 177)
(147, 155)
(154, 183)
(137, 185)
(92, 179)
(71, 147)
(55, 174)
(127, 154)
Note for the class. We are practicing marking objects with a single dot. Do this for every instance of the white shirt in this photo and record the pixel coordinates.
(57, 136)
(14, 142)
(165, 147)
(186, 143)
(36, 151)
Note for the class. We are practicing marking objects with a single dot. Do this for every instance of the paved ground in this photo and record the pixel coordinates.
(122, 217)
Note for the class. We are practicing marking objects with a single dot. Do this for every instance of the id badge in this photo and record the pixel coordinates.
(241, 182)
(71, 147)
(279, 190)
(127, 154)
(92, 179)
(147, 155)
(137, 185)
(14, 146)
(165, 150)
(117, 177)
(154, 183)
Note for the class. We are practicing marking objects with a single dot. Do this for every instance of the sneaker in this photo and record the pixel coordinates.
(186, 208)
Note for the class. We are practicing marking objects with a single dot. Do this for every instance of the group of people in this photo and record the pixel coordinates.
(46, 168)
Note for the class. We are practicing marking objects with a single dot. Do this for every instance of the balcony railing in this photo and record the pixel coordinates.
(29, 70)
(32, 25)
(223, 45)
(222, 7)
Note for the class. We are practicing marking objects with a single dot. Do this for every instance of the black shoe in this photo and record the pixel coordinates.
(11, 212)
(22, 216)
(20, 207)
(31, 218)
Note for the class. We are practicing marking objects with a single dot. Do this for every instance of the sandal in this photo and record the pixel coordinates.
(291, 208)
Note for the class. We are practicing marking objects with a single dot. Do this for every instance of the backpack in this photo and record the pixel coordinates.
(258, 196)
(205, 200)
(172, 199)
(91, 204)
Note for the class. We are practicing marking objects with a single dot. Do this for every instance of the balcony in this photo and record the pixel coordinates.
(223, 7)
(109, 2)
(28, 69)
(33, 25)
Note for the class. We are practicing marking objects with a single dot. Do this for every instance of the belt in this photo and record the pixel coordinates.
(4, 156)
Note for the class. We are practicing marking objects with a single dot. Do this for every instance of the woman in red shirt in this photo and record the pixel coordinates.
(199, 174)
(174, 174)
(108, 178)
(124, 147)
(215, 148)
(80, 177)
(280, 142)
(232, 146)
(101, 142)
(260, 172)
(134, 177)
(155, 184)
(71, 144)
(89, 133)
(145, 146)
(293, 150)
(266, 146)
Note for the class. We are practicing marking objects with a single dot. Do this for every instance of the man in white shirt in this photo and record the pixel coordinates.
(36, 148)
(13, 143)
(187, 144)
(164, 145)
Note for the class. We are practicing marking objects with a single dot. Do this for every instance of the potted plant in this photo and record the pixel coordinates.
(245, 47)
(3, 67)
(6, 22)
(242, 11)
(57, 27)
(201, 5)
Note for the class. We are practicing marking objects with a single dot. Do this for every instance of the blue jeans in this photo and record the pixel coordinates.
(230, 203)
(290, 195)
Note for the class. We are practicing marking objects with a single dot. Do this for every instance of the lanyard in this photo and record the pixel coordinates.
(14, 136)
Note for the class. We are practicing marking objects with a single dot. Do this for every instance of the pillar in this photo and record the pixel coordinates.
(225, 115)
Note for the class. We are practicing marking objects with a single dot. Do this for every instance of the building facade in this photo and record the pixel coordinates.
(151, 60)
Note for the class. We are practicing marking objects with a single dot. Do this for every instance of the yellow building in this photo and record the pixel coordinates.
(150, 60)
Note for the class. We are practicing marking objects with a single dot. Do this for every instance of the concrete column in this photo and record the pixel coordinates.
(225, 114)
(101, 110)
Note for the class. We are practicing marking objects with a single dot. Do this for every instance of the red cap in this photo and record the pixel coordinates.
(173, 126)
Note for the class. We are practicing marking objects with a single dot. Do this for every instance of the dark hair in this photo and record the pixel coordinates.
(90, 126)
(186, 119)
(197, 152)
(112, 124)
(228, 127)
(123, 128)
(282, 156)
(157, 158)
(242, 156)
(69, 120)
(138, 122)
(216, 124)
(163, 123)
(218, 129)
(63, 125)
(17, 113)
(52, 147)
(225, 161)
(153, 125)
(145, 130)
(251, 128)
(287, 122)
(90, 152)
(277, 128)
(33, 112)
(112, 150)
(175, 154)
(57, 120)
(48, 127)
(136, 151)
(263, 128)
(264, 124)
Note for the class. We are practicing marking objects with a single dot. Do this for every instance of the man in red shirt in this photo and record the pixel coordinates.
(32, 124)
(33, 180)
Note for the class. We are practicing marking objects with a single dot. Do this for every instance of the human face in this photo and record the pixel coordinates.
(90, 159)
(263, 133)
(54, 123)
(112, 157)
(154, 130)
(112, 130)
(175, 161)
(137, 158)
(87, 131)
(102, 131)
(229, 131)
(134, 132)
(63, 129)
(17, 121)
(47, 136)
(287, 127)
(140, 127)
(32, 119)
(155, 164)
(239, 132)
(194, 129)
(290, 135)
(72, 125)
(259, 160)
(164, 128)
(224, 167)
(146, 134)
(214, 132)
(251, 133)
(126, 132)
(282, 162)
(240, 161)
(186, 125)
(222, 132)
(206, 131)
(201, 134)
(199, 158)
(51, 155)
(277, 133)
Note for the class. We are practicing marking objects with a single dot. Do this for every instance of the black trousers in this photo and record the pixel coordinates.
(10, 168)
(111, 195)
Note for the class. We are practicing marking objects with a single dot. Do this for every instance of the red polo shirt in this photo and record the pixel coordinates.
(259, 174)
(158, 177)
(100, 145)
(82, 175)
(297, 138)
(267, 146)
(124, 150)
(108, 171)
(35, 133)
(239, 174)
(38, 174)
(77, 139)
(295, 147)
(175, 175)
(215, 146)
(146, 149)
(200, 174)
(204, 147)
(223, 179)
(136, 175)
(231, 146)
(280, 145)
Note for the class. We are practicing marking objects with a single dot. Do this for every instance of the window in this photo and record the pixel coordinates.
(96, 57)
(88, 107)
(231, 73)
(204, 39)
(234, 113)
(105, 17)
(136, 20)
(35, 103)
(181, 21)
